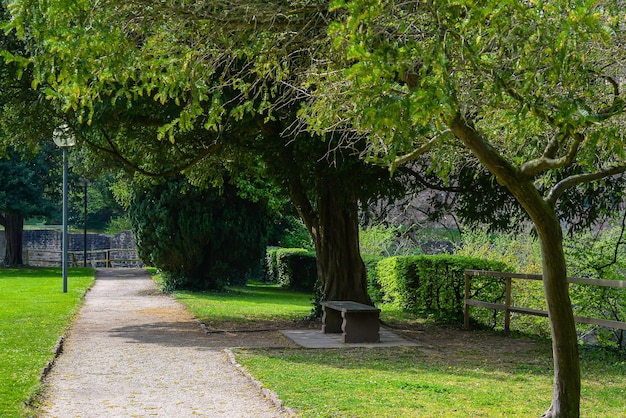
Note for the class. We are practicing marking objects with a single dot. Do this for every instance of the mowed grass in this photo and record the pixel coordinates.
(249, 306)
(34, 313)
(403, 382)
(467, 374)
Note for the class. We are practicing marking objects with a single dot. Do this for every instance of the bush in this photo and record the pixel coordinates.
(434, 285)
(199, 238)
(377, 240)
(373, 285)
(598, 255)
(294, 268)
(522, 253)
(270, 266)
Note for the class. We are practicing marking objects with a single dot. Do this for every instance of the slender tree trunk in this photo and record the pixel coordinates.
(13, 231)
(566, 393)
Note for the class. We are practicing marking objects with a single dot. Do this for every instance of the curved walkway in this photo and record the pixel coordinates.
(134, 352)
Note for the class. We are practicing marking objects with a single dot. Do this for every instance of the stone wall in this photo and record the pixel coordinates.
(43, 248)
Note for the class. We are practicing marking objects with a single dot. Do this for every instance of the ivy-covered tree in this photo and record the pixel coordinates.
(200, 238)
(533, 90)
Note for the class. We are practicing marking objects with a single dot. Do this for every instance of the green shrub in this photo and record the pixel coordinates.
(598, 255)
(293, 268)
(521, 251)
(373, 285)
(199, 238)
(377, 240)
(434, 285)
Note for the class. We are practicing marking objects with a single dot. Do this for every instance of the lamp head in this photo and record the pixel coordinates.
(63, 137)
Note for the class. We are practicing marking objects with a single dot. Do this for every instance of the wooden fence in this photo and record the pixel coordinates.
(508, 306)
(121, 257)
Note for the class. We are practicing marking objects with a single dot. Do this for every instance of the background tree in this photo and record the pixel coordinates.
(223, 83)
(531, 89)
(200, 238)
(102, 208)
(27, 190)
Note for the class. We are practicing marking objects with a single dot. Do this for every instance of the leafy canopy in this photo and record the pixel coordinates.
(542, 80)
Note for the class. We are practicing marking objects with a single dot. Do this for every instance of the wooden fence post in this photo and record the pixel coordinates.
(507, 305)
(467, 296)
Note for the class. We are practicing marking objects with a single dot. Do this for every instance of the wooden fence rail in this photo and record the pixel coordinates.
(76, 257)
(508, 307)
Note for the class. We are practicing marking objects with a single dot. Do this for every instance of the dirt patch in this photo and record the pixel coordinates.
(449, 344)
(454, 345)
(254, 334)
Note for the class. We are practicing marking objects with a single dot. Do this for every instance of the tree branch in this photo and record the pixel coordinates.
(418, 151)
(558, 190)
(536, 166)
(117, 155)
(617, 245)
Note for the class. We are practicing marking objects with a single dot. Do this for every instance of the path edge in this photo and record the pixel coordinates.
(57, 350)
(267, 393)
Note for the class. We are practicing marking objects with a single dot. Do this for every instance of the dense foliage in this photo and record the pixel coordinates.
(201, 238)
(27, 190)
(435, 285)
(293, 268)
(29, 183)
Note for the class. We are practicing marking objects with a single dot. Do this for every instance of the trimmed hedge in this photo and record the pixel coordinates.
(435, 285)
(294, 268)
(270, 267)
(373, 285)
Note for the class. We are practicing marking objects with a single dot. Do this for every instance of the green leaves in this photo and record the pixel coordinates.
(524, 72)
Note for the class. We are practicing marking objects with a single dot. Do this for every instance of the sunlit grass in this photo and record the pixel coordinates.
(254, 303)
(34, 313)
(402, 382)
(397, 382)
(393, 382)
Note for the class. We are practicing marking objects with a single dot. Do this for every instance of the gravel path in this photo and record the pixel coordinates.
(134, 352)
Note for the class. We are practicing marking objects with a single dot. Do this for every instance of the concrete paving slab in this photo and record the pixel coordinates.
(316, 339)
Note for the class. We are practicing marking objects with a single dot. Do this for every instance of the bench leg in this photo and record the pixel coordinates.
(331, 321)
(360, 327)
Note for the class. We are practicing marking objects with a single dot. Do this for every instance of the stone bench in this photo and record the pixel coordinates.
(359, 323)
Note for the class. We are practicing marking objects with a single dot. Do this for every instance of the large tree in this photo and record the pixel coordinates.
(27, 190)
(27, 167)
(533, 90)
(172, 86)
(200, 238)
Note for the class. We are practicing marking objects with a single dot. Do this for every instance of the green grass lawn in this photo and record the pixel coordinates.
(34, 313)
(452, 373)
(255, 305)
(403, 382)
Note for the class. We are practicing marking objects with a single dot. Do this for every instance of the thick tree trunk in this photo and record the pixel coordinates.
(13, 231)
(566, 393)
(335, 232)
(339, 263)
